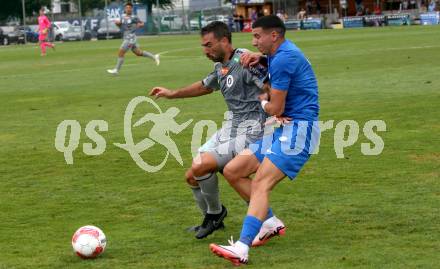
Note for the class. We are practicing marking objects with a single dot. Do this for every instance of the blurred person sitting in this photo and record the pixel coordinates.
(432, 6)
(236, 22)
(280, 15)
(254, 15)
(301, 14)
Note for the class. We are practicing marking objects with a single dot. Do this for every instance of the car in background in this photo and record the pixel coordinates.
(221, 18)
(74, 33)
(12, 34)
(3, 38)
(196, 22)
(172, 23)
(31, 32)
(59, 29)
(113, 30)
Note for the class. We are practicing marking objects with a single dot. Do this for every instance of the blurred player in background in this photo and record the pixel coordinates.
(43, 30)
(129, 23)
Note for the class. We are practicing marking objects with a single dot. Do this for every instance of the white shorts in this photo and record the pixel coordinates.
(224, 147)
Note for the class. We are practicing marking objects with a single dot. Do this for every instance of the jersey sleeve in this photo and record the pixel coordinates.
(211, 81)
(281, 70)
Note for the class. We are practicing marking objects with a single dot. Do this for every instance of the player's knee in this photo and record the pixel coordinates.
(190, 179)
(192, 182)
(198, 169)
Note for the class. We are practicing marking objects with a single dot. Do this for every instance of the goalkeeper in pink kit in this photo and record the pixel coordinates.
(43, 30)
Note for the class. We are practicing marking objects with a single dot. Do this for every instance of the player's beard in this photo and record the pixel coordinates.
(216, 58)
(263, 49)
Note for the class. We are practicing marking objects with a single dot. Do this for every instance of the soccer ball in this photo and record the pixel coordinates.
(88, 242)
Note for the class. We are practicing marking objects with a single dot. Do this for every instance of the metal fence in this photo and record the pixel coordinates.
(184, 21)
(165, 21)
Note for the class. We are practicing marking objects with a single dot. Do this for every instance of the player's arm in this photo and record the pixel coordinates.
(46, 25)
(193, 90)
(280, 81)
(275, 104)
(140, 24)
(266, 88)
(118, 22)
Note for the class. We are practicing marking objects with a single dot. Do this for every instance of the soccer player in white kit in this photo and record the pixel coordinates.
(129, 23)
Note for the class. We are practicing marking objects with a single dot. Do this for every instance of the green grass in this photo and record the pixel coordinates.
(357, 212)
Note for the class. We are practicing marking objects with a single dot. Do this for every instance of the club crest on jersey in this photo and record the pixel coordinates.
(224, 71)
(229, 81)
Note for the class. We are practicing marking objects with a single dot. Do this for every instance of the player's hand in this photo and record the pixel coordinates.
(283, 120)
(264, 96)
(161, 92)
(280, 120)
(117, 22)
(249, 58)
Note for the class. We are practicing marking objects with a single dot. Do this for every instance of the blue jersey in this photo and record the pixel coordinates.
(289, 70)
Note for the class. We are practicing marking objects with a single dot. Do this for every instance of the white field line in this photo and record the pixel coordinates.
(175, 59)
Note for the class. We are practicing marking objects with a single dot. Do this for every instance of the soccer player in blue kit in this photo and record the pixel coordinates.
(293, 99)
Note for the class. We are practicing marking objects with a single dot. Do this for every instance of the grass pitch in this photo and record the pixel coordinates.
(356, 212)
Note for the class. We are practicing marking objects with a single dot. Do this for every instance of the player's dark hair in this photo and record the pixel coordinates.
(128, 4)
(220, 30)
(270, 22)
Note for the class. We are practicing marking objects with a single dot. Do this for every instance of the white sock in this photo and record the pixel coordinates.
(270, 222)
(242, 247)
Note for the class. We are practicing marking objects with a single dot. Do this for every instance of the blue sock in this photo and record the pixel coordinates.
(269, 212)
(251, 227)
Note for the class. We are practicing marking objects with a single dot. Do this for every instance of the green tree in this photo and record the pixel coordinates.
(13, 8)
(91, 4)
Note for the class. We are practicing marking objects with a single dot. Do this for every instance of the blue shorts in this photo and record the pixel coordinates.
(289, 147)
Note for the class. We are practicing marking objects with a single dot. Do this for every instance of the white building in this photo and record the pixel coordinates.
(64, 7)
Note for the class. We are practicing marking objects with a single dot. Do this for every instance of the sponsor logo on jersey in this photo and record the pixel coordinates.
(229, 81)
